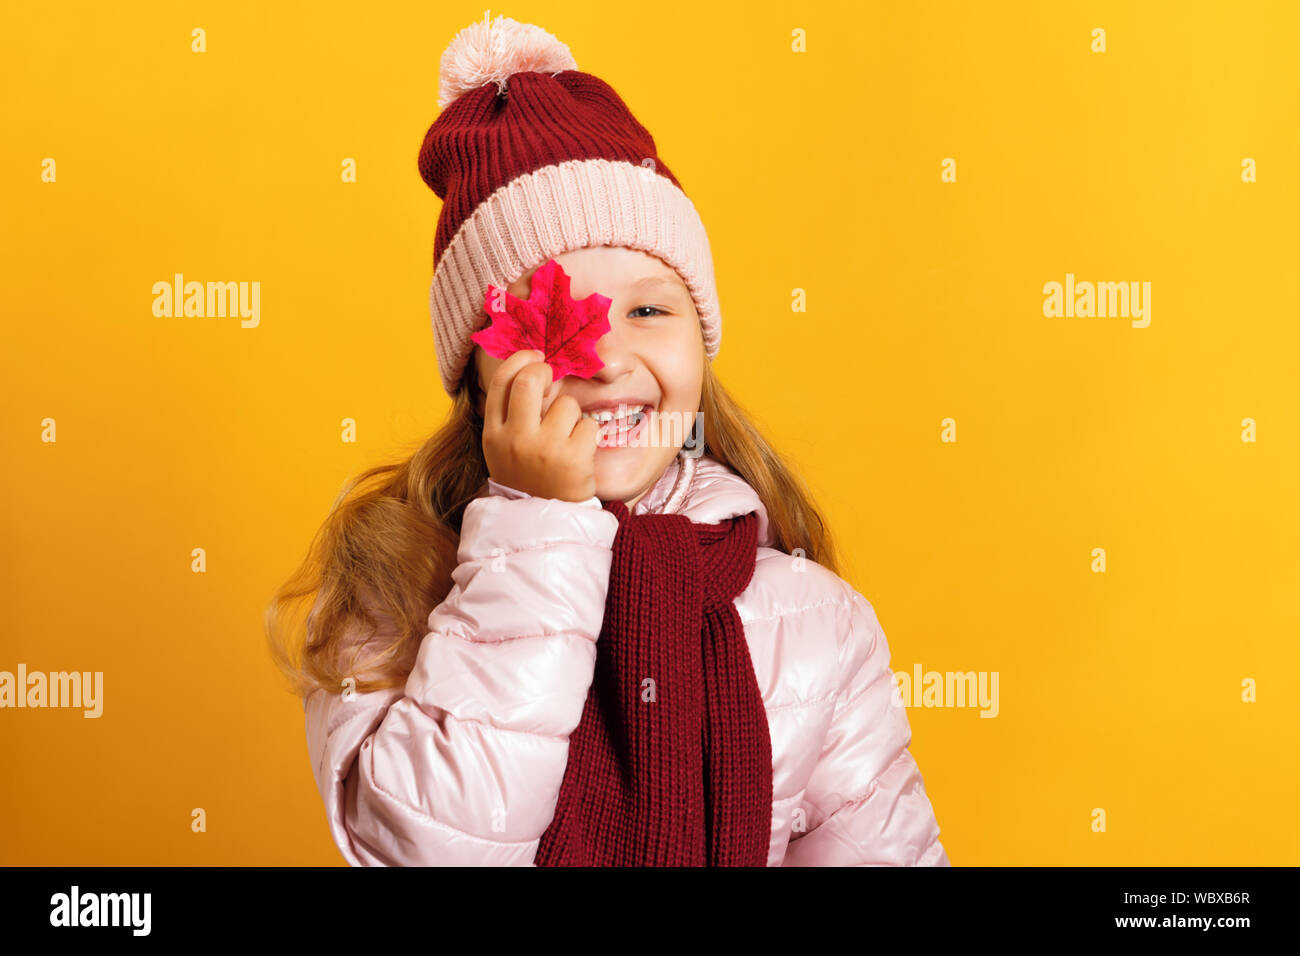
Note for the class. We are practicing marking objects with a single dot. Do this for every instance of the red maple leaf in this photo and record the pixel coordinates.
(563, 329)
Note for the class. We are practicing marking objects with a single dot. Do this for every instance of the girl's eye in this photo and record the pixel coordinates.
(652, 308)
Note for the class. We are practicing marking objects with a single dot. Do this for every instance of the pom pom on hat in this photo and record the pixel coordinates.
(490, 52)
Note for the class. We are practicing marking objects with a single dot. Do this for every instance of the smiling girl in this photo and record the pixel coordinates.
(558, 634)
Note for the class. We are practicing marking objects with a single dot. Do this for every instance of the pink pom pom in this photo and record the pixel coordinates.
(490, 52)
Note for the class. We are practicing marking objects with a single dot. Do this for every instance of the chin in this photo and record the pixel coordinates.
(609, 490)
(624, 473)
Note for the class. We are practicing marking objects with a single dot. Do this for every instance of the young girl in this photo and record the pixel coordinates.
(550, 637)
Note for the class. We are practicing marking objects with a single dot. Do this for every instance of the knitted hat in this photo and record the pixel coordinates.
(533, 158)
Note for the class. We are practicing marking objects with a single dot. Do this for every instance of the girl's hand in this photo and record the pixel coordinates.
(553, 457)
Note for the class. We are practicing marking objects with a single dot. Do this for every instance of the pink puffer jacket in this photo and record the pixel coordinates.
(462, 767)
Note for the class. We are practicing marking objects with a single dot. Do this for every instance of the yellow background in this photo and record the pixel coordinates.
(817, 171)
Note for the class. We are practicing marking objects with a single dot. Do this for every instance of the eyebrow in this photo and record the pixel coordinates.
(648, 282)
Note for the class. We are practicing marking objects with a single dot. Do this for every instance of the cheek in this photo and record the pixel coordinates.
(683, 367)
(485, 365)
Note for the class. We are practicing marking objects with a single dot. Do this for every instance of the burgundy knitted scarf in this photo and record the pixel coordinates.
(671, 762)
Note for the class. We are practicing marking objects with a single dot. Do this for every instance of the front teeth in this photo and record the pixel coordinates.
(632, 414)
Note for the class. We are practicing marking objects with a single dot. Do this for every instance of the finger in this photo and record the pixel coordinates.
(586, 435)
(525, 398)
(494, 409)
(560, 418)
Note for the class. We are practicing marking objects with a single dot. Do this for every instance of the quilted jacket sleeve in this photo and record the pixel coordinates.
(865, 803)
(463, 765)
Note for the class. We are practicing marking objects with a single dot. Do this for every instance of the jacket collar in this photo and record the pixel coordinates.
(706, 491)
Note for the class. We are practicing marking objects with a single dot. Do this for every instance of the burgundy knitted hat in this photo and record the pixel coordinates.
(533, 158)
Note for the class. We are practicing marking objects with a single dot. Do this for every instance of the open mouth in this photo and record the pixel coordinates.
(619, 426)
(619, 420)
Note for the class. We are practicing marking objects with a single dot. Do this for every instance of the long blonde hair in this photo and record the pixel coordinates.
(357, 607)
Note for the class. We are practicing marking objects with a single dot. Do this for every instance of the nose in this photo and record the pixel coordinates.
(612, 348)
